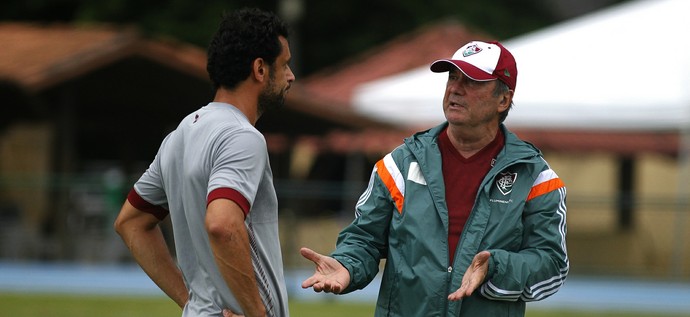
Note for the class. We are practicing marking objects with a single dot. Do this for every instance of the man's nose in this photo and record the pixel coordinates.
(458, 86)
(291, 75)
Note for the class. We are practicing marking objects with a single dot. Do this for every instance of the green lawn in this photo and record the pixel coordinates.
(40, 305)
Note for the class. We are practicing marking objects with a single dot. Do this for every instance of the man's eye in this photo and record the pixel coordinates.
(475, 83)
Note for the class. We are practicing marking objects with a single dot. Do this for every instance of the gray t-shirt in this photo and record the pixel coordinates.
(215, 152)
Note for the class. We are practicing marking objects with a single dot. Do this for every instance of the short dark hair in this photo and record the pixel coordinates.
(242, 37)
(499, 90)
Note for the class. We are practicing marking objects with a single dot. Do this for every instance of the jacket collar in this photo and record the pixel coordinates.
(423, 138)
(515, 147)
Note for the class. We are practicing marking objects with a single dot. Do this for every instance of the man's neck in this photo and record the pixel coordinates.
(469, 141)
(245, 102)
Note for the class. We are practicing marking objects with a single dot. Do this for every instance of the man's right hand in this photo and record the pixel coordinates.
(330, 276)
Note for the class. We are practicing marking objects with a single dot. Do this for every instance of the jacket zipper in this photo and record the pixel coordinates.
(485, 182)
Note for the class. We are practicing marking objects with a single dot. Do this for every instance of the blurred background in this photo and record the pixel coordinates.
(89, 89)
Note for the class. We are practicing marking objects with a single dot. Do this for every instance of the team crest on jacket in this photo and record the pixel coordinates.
(505, 182)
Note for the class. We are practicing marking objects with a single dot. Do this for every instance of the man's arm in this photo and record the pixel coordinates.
(540, 267)
(229, 240)
(142, 235)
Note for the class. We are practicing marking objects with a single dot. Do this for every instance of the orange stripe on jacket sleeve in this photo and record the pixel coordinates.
(545, 187)
(387, 179)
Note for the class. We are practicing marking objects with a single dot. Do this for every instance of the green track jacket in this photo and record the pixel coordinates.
(519, 216)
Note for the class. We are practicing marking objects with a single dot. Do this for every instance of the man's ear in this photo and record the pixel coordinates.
(260, 69)
(506, 100)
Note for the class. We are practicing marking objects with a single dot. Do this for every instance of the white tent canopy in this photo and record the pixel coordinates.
(625, 67)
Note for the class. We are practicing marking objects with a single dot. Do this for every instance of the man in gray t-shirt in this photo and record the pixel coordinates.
(212, 176)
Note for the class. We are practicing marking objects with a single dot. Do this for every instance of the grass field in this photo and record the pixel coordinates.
(40, 305)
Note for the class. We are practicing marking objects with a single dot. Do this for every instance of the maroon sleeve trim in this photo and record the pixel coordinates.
(229, 193)
(143, 205)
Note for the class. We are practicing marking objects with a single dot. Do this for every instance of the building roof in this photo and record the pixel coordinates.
(39, 56)
(36, 57)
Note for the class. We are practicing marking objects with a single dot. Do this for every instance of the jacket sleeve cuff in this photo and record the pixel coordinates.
(357, 276)
(491, 271)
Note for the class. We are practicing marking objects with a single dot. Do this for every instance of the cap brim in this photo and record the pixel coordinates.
(444, 65)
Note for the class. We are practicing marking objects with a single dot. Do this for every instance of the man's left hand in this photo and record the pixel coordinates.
(474, 276)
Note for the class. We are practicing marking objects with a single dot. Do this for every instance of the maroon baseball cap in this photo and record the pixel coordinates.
(481, 61)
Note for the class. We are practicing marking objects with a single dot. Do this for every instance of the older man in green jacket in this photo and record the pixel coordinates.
(470, 219)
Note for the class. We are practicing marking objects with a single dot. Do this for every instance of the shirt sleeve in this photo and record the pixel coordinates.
(148, 193)
(143, 205)
(231, 194)
(239, 162)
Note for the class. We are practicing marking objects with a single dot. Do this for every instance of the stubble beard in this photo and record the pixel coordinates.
(270, 99)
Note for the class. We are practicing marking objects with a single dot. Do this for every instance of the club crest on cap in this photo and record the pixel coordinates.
(471, 50)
